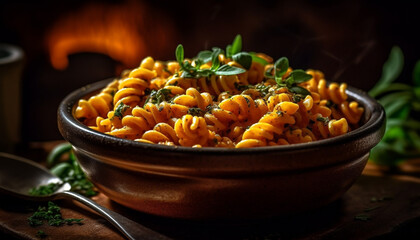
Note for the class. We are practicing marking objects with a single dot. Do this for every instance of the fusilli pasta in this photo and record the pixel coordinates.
(228, 99)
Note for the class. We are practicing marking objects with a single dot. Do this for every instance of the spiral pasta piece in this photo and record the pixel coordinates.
(162, 133)
(244, 108)
(351, 111)
(97, 105)
(131, 89)
(192, 131)
(193, 98)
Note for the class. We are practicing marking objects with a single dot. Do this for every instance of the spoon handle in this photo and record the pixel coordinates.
(129, 228)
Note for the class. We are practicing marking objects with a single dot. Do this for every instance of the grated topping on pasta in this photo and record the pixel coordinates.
(230, 99)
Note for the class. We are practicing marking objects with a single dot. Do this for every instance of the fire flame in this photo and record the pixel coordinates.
(116, 30)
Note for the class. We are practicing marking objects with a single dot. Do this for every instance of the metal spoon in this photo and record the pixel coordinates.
(19, 175)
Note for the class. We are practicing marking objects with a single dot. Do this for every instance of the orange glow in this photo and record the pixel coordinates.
(116, 30)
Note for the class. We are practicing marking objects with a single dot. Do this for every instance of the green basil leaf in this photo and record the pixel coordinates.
(229, 70)
(215, 63)
(393, 87)
(243, 58)
(236, 45)
(300, 76)
(299, 90)
(415, 139)
(229, 51)
(281, 66)
(390, 71)
(290, 81)
(393, 108)
(61, 169)
(204, 56)
(179, 54)
(257, 59)
(416, 74)
(391, 98)
(204, 72)
(216, 49)
(412, 124)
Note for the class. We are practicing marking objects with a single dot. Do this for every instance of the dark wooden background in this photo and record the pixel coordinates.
(349, 40)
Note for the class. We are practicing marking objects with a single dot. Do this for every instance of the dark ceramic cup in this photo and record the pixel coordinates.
(214, 183)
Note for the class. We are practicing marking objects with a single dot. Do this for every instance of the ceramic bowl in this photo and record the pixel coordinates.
(215, 183)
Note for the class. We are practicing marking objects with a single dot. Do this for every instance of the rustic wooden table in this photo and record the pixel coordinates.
(382, 204)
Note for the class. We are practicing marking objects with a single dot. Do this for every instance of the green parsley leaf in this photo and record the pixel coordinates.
(205, 56)
(257, 59)
(215, 63)
(179, 54)
(228, 70)
(299, 90)
(243, 58)
(280, 66)
(235, 47)
(300, 76)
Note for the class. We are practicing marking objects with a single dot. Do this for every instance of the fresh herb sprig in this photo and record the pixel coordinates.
(63, 164)
(402, 106)
(191, 69)
(295, 77)
(194, 71)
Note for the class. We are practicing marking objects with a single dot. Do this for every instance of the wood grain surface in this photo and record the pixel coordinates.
(375, 207)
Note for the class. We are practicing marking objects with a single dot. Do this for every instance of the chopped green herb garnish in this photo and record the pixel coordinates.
(195, 112)
(45, 190)
(52, 214)
(41, 234)
(325, 120)
(262, 89)
(297, 97)
(161, 95)
(119, 111)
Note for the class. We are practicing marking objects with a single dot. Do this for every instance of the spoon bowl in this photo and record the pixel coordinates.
(19, 175)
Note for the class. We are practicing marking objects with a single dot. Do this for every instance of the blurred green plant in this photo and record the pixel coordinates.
(63, 163)
(402, 107)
